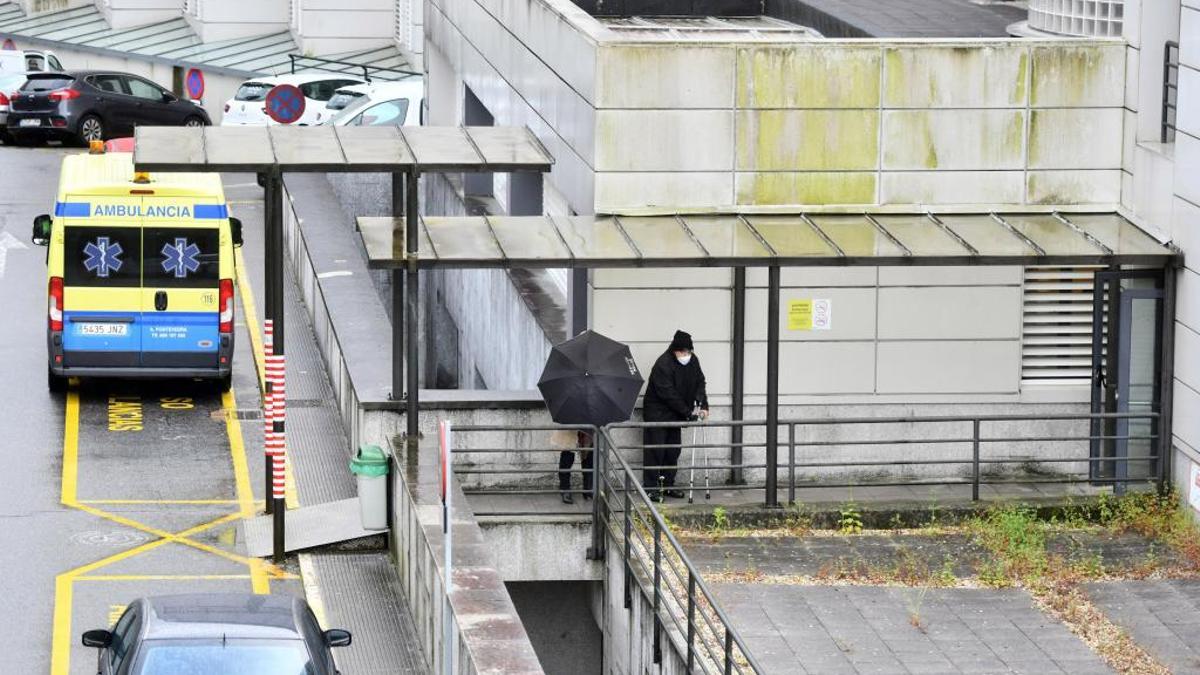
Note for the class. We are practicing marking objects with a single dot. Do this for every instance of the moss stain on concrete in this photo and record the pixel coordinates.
(806, 189)
(808, 76)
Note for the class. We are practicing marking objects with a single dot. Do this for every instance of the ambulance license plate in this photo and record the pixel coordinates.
(31, 122)
(104, 329)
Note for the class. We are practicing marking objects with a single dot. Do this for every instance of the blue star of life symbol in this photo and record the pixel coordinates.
(102, 256)
(180, 258)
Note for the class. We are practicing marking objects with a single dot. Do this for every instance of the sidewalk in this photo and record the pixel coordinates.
(358, 591)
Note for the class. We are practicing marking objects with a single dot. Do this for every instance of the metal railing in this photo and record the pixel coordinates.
(685, 610)
(343, 67)
(1170, 96)
(964, 446)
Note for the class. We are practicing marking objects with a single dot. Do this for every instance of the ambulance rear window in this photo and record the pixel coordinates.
(181, 257)
(102, 256)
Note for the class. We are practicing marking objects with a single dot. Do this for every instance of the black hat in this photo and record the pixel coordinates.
(681, 341)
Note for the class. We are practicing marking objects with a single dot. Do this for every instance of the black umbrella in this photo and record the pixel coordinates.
(590, 379)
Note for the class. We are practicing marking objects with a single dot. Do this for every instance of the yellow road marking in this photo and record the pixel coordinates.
(291, 496)
(70, 477)
(169, 577)
(115, 612)
(259, 583)
(312, 588)
(184, 502)
(256, 343)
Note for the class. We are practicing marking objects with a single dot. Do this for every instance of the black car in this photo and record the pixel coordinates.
(90, 105)
(217, 634)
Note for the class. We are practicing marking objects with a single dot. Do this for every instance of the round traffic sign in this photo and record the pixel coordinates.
(285, 103)
(195, 84)
(9, 45)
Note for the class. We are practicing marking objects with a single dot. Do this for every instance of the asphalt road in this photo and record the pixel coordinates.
(119, 488)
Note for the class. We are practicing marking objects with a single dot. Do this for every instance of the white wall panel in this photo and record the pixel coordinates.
(949, 313)
(948, 367)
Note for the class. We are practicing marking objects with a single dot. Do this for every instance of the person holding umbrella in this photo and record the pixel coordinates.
(675, 389)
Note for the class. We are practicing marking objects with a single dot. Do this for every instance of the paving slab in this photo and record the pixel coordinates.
(1161, 616)
(361, 593)
(864, 629)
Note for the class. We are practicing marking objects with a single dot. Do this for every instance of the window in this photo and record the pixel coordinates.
(181, 257)
(343, 98)
(54, 64)
(35, 63)
(111, 83)
(388, 113)
(40, 84)
(1170, 99)
(252, 91)
(323, 90)
(124, 634)
(143, 89)
(102, 256)
(1056, 341)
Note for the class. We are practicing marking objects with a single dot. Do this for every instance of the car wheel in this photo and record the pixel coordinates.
(193, 122)
(57, 384)
(90, 129)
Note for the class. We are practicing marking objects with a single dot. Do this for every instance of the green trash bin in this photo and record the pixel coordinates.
(370, 467)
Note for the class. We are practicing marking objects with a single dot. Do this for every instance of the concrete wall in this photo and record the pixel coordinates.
(128, 13)
(1002, 122)
(334, 26)
(1162, 187)
(629, 632)
(488, 635)
(216, 20)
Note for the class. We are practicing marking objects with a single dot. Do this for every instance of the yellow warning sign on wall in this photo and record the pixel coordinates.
(810, 314)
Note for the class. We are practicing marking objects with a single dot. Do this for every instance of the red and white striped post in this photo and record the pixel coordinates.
(276, 377)
(268, 416)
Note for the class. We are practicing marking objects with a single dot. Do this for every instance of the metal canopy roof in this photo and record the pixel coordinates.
(175, 42)
(766, 240)
(339, 149)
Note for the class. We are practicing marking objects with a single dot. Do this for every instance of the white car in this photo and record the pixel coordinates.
(411, 89)
(28, 60)
(248, 105)
(395, 110)
(10, 82)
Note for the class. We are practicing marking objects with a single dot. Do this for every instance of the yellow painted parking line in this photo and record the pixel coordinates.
(60, 646)
(70, 474)
(291, 496)
(256, 343)
(174, 502)
(237, 452)
(162, 577)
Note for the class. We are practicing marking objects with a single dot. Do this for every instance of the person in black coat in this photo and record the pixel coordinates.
(674, 391)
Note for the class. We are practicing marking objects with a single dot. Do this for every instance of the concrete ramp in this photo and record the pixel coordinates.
(307, 527)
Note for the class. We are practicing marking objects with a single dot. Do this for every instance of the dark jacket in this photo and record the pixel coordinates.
(674, 389)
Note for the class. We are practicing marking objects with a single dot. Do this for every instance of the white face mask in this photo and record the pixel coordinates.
(683, 360)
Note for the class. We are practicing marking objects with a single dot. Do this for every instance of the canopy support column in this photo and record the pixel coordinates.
(411, 311)
(772, 496)
(274, 313)
(398, 210)
(1166, 383)
(737, 369)
(271, 202)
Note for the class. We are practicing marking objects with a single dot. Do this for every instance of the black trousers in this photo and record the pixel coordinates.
(664, 457)
(566, 460)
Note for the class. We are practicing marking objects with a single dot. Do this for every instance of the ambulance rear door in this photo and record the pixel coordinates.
(102, 258)
(181, 272)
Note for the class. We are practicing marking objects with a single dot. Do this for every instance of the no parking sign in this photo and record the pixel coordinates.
(195, 84)
(285, 103)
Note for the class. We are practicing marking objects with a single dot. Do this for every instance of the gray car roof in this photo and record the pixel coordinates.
(216, 615)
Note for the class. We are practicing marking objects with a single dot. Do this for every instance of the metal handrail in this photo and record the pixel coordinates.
(1170, 104)
(367, 68)
(694, 582)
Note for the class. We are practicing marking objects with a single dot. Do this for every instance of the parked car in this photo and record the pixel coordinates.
(28, 60)
(9, 84)
(413, 90)
(227, 633)
(394, 111)
(248, 105)
(89, 105)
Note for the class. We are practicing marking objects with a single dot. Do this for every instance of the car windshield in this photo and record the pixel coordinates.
(224, 657)
(341, 99)
(36, 84)
(355, 107)
(252, 91)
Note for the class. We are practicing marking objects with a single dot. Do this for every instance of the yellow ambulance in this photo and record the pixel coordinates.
(140, 273)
